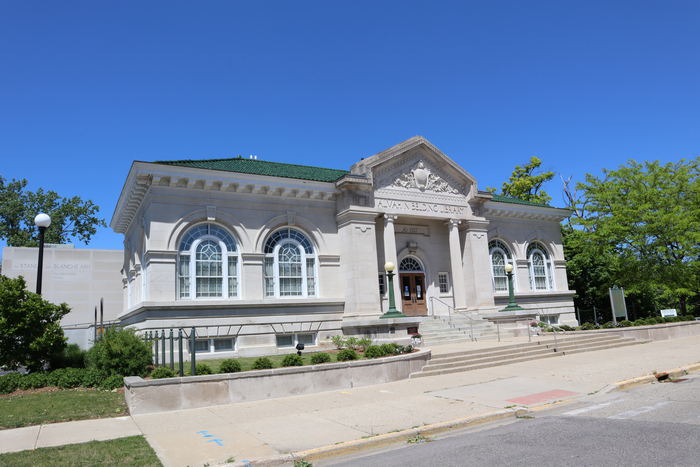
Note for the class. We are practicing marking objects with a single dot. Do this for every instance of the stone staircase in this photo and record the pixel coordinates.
(543, 347)
(441, 330)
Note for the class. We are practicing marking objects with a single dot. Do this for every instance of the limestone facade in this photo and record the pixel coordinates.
(259, 256)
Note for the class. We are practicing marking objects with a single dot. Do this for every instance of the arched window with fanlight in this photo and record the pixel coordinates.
(290, 265)
(500, 255)
(208, 263)
(540, 267)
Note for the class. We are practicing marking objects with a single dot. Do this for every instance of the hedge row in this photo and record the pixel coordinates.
(64, 378)
(640, 322)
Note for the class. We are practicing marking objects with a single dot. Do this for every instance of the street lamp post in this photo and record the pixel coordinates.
(42, 221)
(512, 306)
(392, 312)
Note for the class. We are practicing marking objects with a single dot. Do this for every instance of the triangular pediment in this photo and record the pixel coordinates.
(415, 166)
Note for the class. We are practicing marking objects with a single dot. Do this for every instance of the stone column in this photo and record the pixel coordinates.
(477, 266)
(390, 254)
(458, 286)
(358, 267)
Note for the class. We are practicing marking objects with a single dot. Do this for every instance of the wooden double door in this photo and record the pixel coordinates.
(413, 294)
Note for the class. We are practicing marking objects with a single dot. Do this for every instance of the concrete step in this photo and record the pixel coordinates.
(546, 353)
(517, 353)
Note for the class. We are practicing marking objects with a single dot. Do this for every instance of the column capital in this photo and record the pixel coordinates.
(390, 218)
(451, 223)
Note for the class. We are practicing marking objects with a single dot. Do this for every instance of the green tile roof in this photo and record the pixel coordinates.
(257, 167)
(506, 199)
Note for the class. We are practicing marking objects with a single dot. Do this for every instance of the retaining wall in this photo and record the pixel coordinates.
(656, 332)
(162, 395)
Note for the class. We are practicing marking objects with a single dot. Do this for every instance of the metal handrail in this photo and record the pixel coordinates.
(449, 308)
(555, 329)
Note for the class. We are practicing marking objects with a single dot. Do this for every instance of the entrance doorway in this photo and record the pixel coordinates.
(412, 280)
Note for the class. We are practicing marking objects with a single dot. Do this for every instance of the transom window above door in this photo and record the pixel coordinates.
(290, 265)
(410, 264)
(208, 263)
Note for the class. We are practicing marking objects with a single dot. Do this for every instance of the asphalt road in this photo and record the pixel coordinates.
(657, 424)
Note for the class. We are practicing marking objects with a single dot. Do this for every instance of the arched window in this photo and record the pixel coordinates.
(540, 267)
(410, 264)
(500, 256)
(290, 265)
(208, 265)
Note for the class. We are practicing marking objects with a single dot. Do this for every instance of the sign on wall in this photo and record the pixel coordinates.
(669, 313)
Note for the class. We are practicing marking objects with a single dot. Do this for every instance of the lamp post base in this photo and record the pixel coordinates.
(393, 314)
(512, 307)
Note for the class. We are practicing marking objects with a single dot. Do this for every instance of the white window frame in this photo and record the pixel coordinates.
(304, 273)
(447, 282)
(508, 259)
(210, 344)
(295, 339)
(532, 249)
(225, 273)
(550, 319)
(381, 278)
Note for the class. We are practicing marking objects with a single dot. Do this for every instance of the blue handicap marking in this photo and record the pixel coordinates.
(217, 441)
(202, 432)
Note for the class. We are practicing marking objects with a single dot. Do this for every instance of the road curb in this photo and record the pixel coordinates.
(638, 381)
(358, 445)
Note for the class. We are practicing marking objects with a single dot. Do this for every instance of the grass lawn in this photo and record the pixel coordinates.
(133, 450)
(59, 406)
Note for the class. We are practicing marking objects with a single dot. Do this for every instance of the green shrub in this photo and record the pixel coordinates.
(292, 360)
(9, 382)
(390, 348)
(162, 372)
(374, 351)
(566, 327)
(91, 378)
(345, 355)
(321, 357)
(262, 363)
(35, 380)
(71, 357)
(363, 343)
(687, 318)
(351, 343)
(30, 328)
(608, 325)
(625, 323)
(338, 341)
(68, 378)
(587, 326)
(230, 365)
(120, 352)
(203, 369)
(112, 382)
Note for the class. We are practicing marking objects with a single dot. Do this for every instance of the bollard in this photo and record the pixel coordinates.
(172, 351)
(179, 348)
(193, 336)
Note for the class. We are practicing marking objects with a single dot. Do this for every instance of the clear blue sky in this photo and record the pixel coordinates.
(87, 87)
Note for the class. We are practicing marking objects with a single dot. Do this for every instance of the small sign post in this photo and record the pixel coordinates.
(617, 302)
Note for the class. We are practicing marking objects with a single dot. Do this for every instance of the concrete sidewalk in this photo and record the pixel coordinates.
(271, 428)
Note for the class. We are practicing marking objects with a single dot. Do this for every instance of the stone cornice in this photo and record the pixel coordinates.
(520, 211)
(144, 176)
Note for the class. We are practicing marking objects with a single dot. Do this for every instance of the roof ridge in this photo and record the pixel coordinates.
(241, 158)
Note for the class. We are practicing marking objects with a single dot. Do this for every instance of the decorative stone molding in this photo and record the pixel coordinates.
(422, 178)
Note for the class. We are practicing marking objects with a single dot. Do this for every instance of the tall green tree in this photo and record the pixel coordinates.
(71, 218)
(30, 329)
(525, 184)
(638, 227)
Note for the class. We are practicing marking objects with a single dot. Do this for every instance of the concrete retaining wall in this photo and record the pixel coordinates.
(162, 395)
(656, 332)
